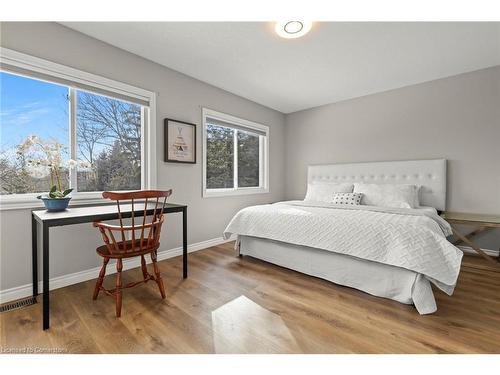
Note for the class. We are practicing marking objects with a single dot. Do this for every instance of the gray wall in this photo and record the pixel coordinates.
(179, 97)
(457, 118)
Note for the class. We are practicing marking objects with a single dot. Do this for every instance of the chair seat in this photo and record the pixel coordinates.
(104, 252)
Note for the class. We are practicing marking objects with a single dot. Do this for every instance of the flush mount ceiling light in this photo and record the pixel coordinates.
(292, 29)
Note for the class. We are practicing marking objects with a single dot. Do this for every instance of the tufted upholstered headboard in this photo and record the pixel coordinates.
(430, 174)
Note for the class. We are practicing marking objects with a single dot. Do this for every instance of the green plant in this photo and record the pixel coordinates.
(54, 193)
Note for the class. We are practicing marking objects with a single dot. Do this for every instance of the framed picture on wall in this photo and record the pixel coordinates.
(180, 141)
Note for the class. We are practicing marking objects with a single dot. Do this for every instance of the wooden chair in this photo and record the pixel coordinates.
(130, 244)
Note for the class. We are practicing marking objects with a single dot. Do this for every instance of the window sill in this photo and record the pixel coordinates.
(214, 193)
(31, 202)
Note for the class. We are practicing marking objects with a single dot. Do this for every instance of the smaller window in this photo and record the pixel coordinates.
(235, 155)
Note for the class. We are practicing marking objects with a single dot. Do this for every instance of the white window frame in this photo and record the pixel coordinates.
(148, 118)
(263, 156)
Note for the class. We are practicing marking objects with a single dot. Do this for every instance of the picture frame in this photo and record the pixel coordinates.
(179, 142)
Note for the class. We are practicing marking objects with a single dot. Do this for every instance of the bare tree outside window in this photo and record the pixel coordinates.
(109, 138)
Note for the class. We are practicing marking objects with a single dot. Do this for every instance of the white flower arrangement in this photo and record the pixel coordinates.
(45, 159)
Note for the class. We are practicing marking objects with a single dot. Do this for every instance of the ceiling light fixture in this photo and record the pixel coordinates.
(292, 29)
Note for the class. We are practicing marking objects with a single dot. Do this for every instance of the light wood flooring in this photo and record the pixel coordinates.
(243, 305)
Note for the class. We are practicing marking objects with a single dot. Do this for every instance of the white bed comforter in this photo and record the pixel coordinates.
(414, 239)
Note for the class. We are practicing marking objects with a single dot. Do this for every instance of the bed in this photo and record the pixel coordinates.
(395, 253)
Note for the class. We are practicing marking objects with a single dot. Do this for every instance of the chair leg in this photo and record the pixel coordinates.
(119, 267)
(158, 278)
(145, 273)
(100, 279)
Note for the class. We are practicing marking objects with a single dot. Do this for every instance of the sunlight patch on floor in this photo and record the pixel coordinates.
(243, 326)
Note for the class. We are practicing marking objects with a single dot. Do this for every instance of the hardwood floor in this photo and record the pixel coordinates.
(242, 305)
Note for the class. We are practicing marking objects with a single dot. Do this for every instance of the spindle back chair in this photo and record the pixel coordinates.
(129, 243)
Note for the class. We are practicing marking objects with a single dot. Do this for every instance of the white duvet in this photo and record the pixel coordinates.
(414, 239)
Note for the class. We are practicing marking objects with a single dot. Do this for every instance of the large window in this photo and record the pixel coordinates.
(102, 135)
(235, 157)
(107, 133)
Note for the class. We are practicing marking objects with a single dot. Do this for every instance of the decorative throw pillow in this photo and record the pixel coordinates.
(388, 195)
(353, 199)
(323, 191)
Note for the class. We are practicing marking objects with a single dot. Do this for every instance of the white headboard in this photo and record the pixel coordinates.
(430, 174)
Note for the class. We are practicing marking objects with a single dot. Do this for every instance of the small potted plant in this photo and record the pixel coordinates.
(43, 159)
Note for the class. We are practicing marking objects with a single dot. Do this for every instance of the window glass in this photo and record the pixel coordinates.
(248, 159)
(108, 133)
(220, 157)
(34, 117)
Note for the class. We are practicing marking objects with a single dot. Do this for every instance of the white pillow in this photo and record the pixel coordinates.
(388, 195)
(323, 191)
(352, 199)
(419, 190)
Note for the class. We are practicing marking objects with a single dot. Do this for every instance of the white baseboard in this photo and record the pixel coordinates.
(23, 291)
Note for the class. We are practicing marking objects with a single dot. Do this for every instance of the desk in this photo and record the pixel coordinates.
(86, 214)
(482, 223)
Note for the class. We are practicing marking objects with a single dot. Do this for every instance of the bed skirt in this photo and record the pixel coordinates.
(377, 279)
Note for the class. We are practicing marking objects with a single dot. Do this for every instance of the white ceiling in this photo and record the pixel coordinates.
(334, 62)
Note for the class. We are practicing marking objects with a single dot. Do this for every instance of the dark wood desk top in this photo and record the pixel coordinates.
(102, 211)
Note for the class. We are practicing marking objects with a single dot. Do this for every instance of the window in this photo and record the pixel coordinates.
(108, 137)
(101, 124)
(235, 157)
